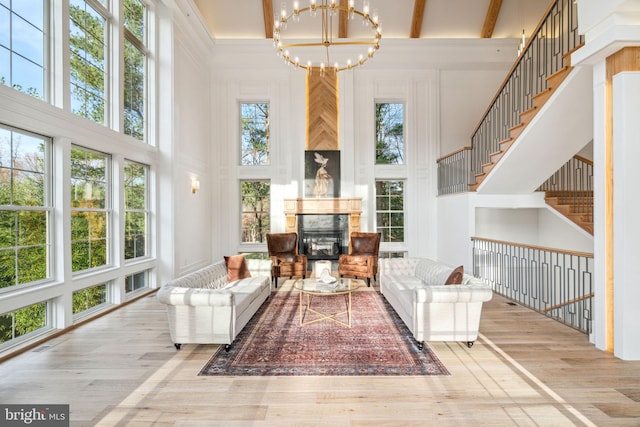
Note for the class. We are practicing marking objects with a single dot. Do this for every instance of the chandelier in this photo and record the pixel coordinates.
(326, 54)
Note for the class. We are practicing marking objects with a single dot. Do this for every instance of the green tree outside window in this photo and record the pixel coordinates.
(389, 133)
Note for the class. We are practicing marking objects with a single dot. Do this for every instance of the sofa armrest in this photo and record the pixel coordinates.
(172, 295)
(453, 293)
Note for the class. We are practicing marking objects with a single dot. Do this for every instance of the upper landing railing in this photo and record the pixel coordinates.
(555, 36)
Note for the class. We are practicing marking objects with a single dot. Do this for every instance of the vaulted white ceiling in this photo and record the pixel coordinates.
(245, 19)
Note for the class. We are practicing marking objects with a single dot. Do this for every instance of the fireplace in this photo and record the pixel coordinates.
(323, 224)
(324, 236)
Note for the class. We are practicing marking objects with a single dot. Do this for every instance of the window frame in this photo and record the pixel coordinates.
(108, 210)
(142, 47)
(46, 50)
(389, 228)
(47, 208)
(403, 154)
(146, 211)
(266, 211)
(267, 131)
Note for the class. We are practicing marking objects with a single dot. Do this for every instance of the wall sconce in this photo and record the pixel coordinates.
(195, 185)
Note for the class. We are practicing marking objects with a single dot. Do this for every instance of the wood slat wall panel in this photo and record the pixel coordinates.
(322, 111)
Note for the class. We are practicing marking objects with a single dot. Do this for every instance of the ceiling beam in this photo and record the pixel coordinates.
(416, 20)
(491, 18)
(267, 12)
(343, 20)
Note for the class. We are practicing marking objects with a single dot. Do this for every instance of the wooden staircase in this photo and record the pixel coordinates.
(526, 117)
(575, 205)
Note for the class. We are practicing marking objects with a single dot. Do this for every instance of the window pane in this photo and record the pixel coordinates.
(390, 210)
(24, 235)
(134, 18)
(8, 270)
(134, 91)
(256, 219)
(389, 133)
(89, 215)
(136, 281)
(22, 46)
(86, 299)
(88, 61)
(22, 322)
(30, 264)
(255, 134)
(136, 210)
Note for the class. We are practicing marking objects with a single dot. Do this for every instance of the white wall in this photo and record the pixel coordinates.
(415, 72)
(464, 97)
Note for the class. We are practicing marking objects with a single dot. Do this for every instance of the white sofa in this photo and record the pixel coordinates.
(204, 308)
(432, 310)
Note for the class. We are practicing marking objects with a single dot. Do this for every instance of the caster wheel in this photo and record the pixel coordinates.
(469, 344)
(177, 346)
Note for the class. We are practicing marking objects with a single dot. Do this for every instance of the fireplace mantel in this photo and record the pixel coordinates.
(319, 206)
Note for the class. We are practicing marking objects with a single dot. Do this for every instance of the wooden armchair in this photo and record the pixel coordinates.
(362, 260)
(285, 260)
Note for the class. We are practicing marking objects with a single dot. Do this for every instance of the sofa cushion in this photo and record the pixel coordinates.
(432, 272)
(455, 278)
(245, 291)
(236, 268)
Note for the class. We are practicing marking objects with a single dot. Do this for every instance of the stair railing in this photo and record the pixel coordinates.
(573, 183)
(454, 172)
(555, 36)
(554, 282)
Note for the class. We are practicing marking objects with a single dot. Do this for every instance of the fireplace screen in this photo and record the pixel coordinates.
(323, 236)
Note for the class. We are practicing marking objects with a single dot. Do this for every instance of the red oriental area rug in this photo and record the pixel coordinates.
(274, 343)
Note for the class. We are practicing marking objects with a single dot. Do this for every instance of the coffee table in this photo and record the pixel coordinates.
(314, 287)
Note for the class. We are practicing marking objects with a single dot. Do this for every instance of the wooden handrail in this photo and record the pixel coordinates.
(513, 67)
(572, 301)
(543, 248)
(468, 147)
(583, 159)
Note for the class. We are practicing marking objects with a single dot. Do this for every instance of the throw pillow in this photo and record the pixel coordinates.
(236, 267)
(455, 278)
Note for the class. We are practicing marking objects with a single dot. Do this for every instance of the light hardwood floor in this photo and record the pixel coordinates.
(525, 370)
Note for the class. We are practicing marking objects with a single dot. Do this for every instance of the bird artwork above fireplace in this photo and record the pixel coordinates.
(322, 173)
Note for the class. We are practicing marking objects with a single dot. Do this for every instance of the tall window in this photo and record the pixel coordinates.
(255, 134)
(135, 68)
(256, 207)
(136, 210)
(389, 133)
(89, 209)
(88, 58)
(390, 210)
(22, 46)
(25, 207)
